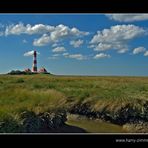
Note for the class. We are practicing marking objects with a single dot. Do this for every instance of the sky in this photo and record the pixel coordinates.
(76, 44)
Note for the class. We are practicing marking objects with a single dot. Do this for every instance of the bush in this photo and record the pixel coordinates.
(10, 125)
(18, 72)
(51, 86)
(20, 80)
(29, 122)
(38, 86)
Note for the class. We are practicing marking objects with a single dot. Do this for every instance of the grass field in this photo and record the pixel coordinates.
(118, 99)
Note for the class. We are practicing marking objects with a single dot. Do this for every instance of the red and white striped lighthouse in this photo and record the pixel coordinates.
(34, 67)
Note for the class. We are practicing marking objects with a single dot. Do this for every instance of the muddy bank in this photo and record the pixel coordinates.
(141, 127)
(82, 119)
(127, 114)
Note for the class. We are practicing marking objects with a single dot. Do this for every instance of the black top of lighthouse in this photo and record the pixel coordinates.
(34, 52)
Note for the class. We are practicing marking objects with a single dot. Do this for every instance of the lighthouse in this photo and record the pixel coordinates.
(34, 66)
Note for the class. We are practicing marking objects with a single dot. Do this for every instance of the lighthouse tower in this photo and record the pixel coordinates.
(34, 66)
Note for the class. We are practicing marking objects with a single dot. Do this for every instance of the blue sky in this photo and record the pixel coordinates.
(76, 44)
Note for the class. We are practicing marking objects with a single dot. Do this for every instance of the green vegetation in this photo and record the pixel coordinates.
(18, 72)
(117, 99)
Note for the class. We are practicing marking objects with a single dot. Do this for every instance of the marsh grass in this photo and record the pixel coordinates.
(120, 89)
(40, 93)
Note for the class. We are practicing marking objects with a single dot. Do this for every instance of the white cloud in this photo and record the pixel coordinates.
(56, 55)
(75, 56)
(15, 29)
(2, 27)
(49, 33)
(102, 47)
(57, 31)
(91, 46)
(146, 53)
(128, 17)
(28, 29)
(1, 33)
(24, 41)
(59, 49)
(54, 45)
(62, 31)
(39, 29)
(77, 32)
(116, 37)
(76, 43)
(57, 34)
(52, 58)
(30, 53)
(42, 41)
(138, 50)
(65, 54)
(101, 56)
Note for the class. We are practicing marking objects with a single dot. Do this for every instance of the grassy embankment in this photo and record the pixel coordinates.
(120, 100)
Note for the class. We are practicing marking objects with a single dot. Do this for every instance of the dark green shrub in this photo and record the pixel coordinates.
(20, 80)
(37, 86)
(10, 125)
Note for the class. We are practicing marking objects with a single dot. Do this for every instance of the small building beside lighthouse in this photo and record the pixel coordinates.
(42, 70)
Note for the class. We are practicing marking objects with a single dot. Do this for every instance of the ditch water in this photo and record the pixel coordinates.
(93, 126)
